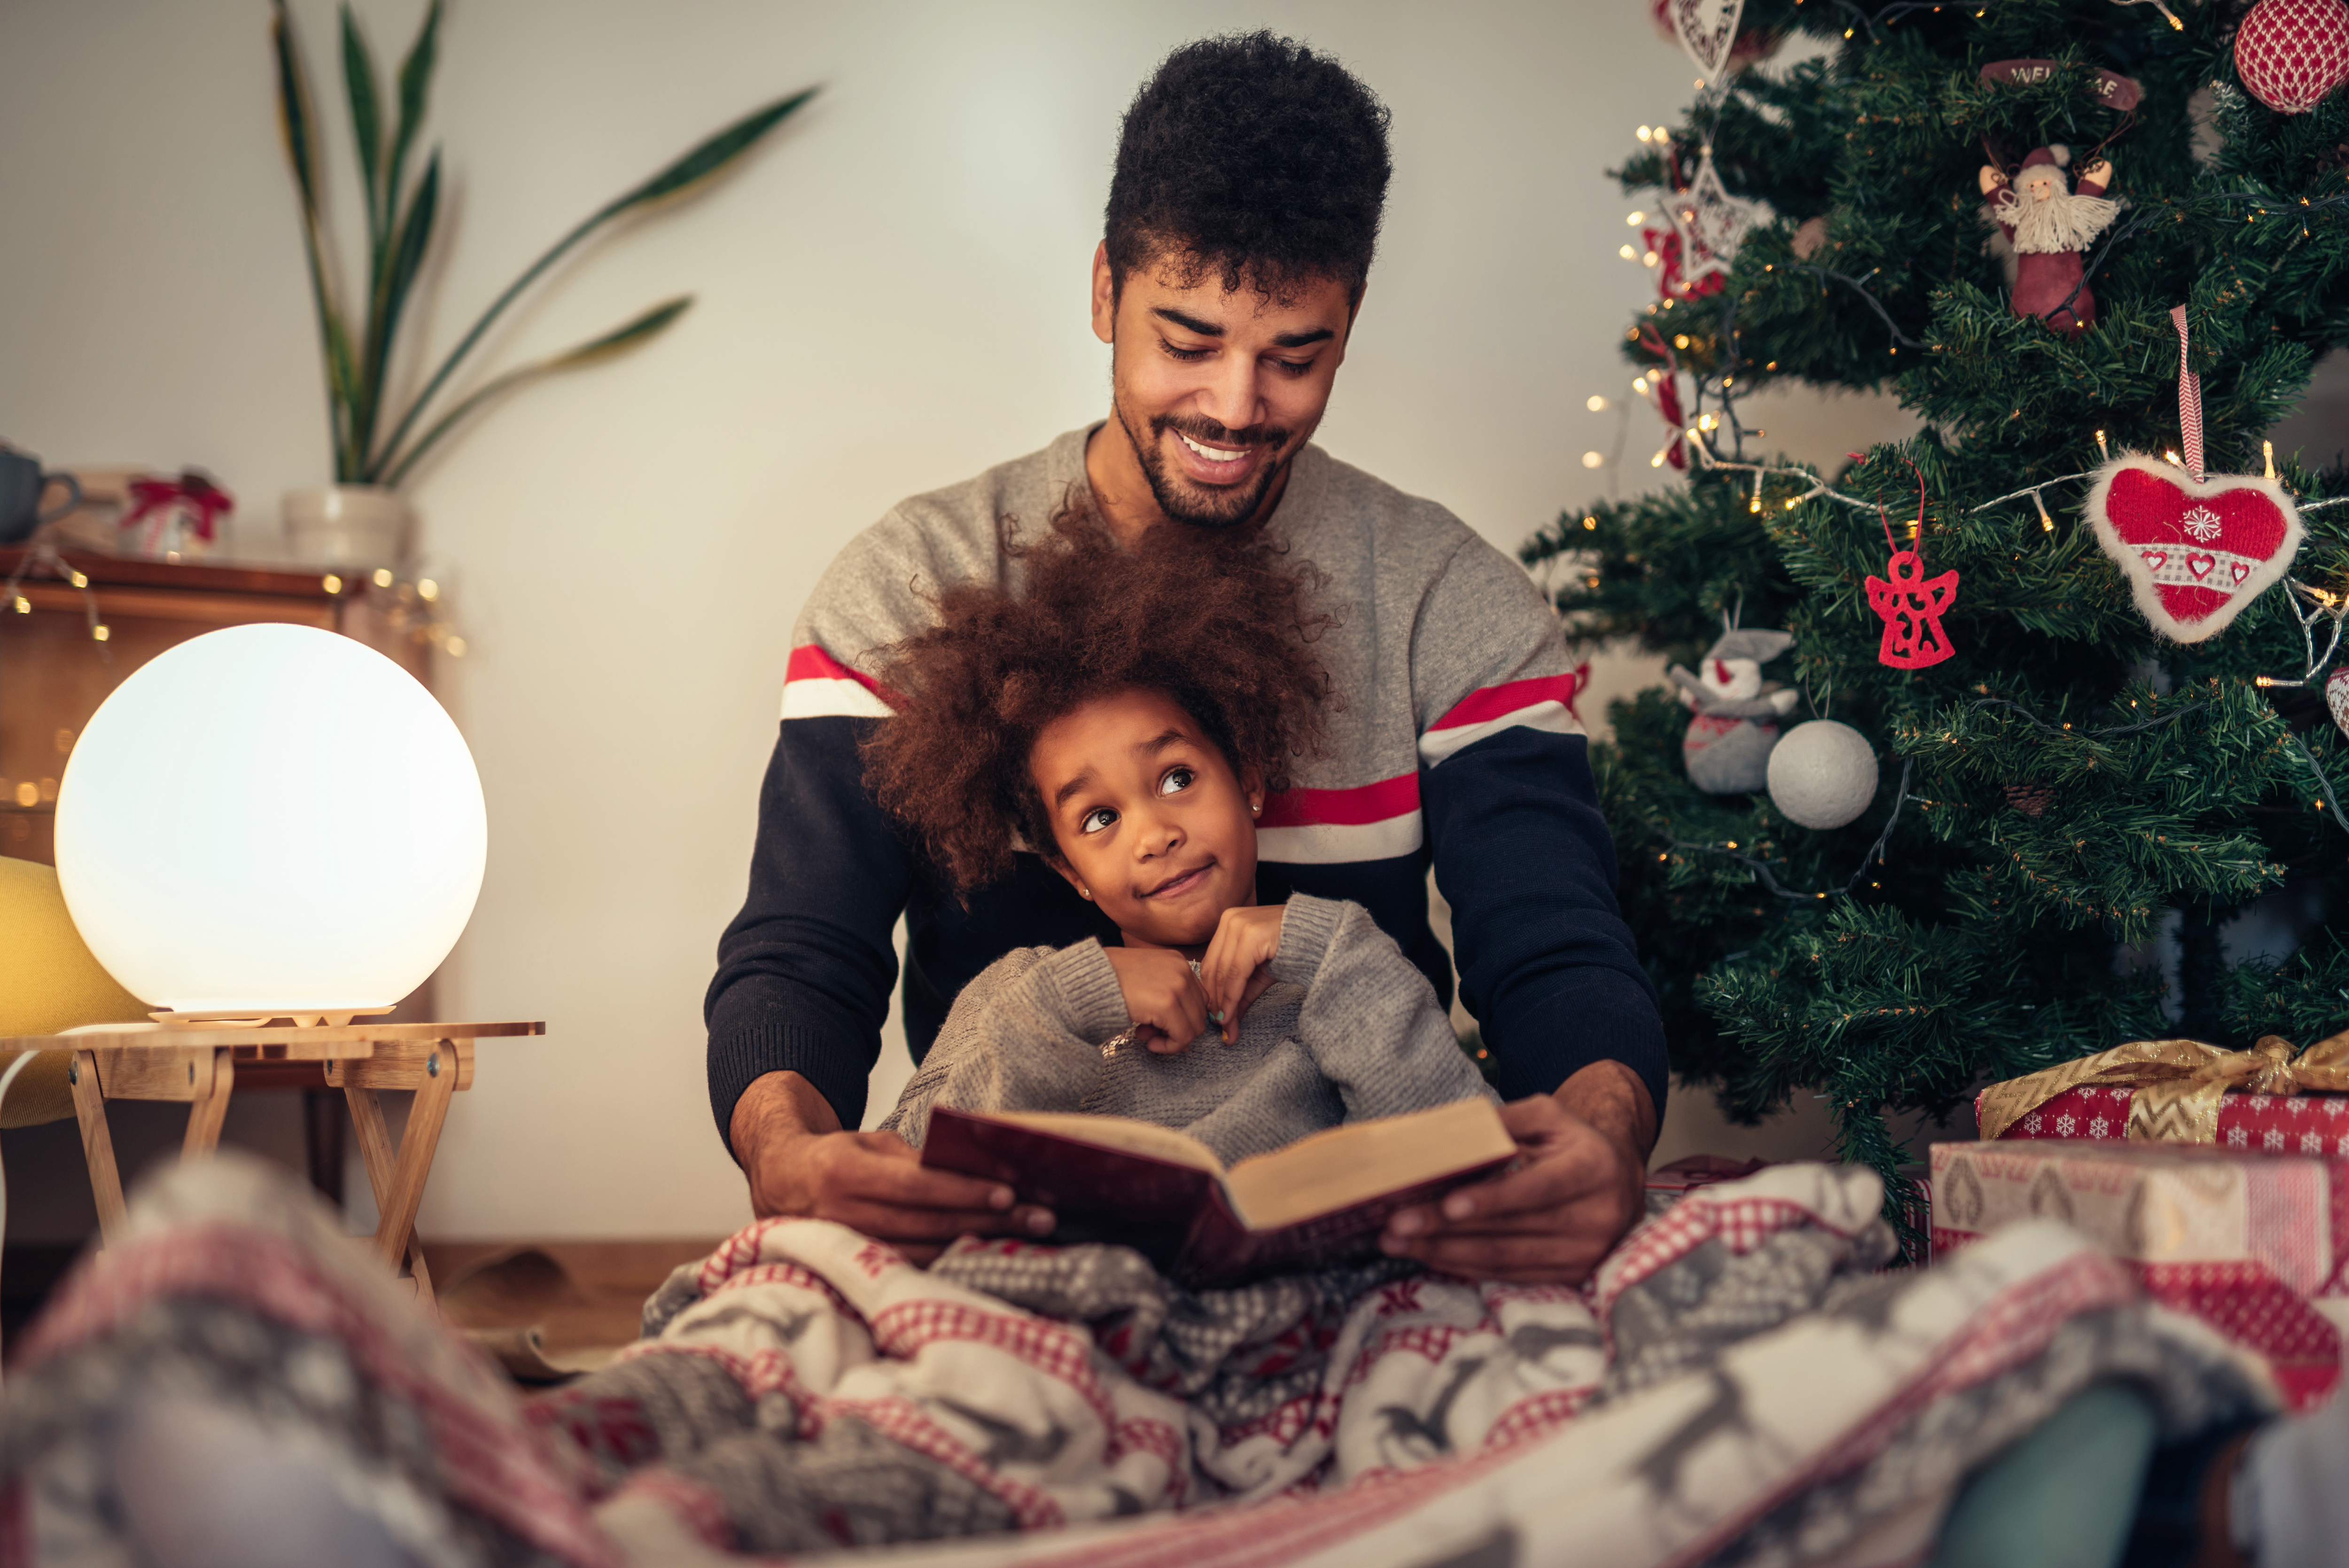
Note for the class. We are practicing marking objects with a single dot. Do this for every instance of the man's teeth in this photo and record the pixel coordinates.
(1213, 454)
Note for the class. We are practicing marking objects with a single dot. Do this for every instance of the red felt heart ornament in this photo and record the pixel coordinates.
(2194, 553)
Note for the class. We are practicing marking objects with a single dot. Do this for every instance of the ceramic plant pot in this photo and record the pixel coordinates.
(348, 525)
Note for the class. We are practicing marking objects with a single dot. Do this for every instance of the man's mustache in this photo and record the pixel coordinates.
(1209, 433)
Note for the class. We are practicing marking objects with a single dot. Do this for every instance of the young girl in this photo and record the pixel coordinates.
(1127, 714)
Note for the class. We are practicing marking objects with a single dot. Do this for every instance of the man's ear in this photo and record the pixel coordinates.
(1104, 296)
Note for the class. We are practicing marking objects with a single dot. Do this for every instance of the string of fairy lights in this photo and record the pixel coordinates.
(1698, 430)
(414, 605)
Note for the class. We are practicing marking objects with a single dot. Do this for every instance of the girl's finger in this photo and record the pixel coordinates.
(1257, 983)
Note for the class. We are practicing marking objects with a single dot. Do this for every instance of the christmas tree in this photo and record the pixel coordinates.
(2055, 779)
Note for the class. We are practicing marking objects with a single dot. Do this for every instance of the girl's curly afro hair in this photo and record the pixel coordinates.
(1217, 624)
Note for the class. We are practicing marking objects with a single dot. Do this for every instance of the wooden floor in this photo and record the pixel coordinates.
(586, 1294)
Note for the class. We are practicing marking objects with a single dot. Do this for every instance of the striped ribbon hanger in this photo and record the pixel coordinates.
(2190, 400)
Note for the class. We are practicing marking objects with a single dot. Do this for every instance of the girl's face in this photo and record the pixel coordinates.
(1151, 822)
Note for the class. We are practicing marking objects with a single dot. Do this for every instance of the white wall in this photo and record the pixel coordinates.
(891, 296)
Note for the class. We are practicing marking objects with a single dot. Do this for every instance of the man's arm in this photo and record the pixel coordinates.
(795, 1011)
(804, 970)
(1546, 962)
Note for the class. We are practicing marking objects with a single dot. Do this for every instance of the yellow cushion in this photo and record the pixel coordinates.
(49, 982)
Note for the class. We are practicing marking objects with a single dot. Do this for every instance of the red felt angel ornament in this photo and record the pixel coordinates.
(1910, 604)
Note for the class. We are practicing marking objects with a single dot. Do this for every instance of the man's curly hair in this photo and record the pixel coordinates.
(1251, 156)
(1220, 625)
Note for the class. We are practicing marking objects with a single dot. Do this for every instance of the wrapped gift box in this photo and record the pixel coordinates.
(2266, 1123)
(2254, 1243)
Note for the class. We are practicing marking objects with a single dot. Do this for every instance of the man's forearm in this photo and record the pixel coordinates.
(1612, 1099)
(775, 1106)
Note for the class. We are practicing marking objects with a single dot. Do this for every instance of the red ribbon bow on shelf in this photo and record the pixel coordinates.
(206, 500)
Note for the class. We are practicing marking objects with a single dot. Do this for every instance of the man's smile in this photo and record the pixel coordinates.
(1205, 463)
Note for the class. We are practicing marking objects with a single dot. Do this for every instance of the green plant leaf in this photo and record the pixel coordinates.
(293, 120)
(696, 166)
(366, 126)
(293, 110)
(619, 339)
(711, 156)
(406, 259)
(415, 87)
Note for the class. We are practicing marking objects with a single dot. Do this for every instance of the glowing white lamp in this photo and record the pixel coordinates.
(270, 820)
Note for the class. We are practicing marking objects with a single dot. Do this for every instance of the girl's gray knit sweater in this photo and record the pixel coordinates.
(1350, 1030)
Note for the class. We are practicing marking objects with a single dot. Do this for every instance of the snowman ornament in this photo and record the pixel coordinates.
(1734, 713)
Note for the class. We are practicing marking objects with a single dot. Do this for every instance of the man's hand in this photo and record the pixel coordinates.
(1162, 997)
(1577, 1186)
(1237, 967)
(801, 1163)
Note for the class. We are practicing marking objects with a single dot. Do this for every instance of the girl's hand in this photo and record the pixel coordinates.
(1162, 996)
(1237, 965)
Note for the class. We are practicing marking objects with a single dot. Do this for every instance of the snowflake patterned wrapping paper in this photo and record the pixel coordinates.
(2246, 1241)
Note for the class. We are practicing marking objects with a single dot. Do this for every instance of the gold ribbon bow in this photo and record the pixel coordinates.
(2179, 1083)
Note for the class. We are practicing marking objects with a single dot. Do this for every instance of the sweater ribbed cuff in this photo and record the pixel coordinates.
(1589, 1014)
(1084, 983)
(1308, 926)
(740, 1056)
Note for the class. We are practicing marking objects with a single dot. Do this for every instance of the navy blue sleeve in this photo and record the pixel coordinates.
(1546, 962)
(804, 970)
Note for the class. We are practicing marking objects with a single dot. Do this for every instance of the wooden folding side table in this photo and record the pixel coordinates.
(197, 1064)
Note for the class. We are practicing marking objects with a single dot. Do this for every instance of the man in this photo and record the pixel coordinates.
(1251, 174)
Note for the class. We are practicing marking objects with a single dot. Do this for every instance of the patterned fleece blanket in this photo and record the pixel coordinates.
(1737, 1384)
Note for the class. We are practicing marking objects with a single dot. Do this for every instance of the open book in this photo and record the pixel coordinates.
(1317, 1202)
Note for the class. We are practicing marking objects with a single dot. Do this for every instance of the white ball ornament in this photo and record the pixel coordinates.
(1822, 774)
(270, 818)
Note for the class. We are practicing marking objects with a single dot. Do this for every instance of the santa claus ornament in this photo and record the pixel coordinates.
(2049, 224)
(2195, 548)
(2292, 54)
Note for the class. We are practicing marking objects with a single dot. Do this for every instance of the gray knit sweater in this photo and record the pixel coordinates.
(1350, 1030)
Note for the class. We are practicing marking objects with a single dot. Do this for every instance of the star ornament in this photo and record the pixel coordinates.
(2194, 552)
(1712, 223)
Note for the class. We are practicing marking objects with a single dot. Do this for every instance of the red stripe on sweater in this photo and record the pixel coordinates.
(809, 663)
(1489, 703)
(1365, 803)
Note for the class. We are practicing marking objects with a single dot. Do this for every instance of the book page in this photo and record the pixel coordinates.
(1365, 1159)
(1121, 1132)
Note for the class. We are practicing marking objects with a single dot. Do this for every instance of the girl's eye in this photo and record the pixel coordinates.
(1097, 819)
(1177, 780)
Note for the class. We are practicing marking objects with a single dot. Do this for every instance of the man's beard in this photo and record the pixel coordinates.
(1175, 496)
(2062, 223)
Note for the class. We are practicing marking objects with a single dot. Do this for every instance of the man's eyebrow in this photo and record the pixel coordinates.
(1299, 339)
(1060, 796)
(1187, 322)
(1160, 742)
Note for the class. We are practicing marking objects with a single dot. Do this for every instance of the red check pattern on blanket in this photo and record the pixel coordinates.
(1762, 1392)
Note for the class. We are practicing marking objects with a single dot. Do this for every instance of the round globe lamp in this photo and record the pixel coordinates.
(270, 821)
